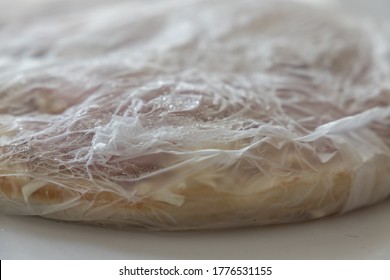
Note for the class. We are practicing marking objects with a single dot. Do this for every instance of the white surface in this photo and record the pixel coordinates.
(363, 234)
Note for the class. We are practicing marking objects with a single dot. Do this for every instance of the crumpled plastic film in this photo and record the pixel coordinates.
(191, 114)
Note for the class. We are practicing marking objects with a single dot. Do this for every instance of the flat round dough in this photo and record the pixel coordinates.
(182, 115)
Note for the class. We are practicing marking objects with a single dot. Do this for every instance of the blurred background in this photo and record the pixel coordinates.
(375, 8)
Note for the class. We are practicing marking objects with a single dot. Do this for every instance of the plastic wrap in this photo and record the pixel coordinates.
(192, 114)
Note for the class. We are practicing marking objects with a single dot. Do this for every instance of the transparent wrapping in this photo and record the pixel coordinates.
(191, 114)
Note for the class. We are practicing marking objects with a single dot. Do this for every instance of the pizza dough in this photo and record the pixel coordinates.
(192, 114)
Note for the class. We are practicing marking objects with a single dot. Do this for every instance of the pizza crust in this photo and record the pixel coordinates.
(199, 207)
